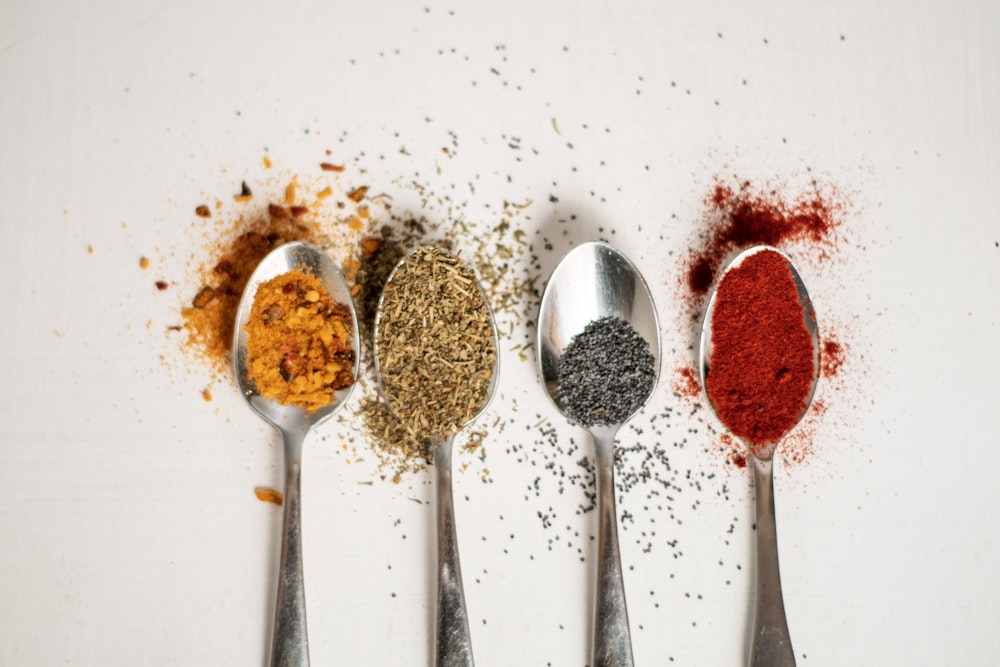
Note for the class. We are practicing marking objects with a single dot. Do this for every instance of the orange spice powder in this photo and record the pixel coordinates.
(299, 342)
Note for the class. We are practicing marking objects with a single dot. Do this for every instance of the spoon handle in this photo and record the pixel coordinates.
(290, 643)
(612, 641)
(453, 643)
(770, 644)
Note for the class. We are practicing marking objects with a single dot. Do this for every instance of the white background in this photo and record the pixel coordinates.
(129, 534)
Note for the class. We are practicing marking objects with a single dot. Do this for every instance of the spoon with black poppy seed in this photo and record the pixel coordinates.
(599, 359)
(436, 357)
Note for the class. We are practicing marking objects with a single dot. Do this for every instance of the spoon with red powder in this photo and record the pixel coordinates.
(759, 366)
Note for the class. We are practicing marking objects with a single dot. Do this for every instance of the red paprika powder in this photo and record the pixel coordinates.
(749, 216)
(762, 362)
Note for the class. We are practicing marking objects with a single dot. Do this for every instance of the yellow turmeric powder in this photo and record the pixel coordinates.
(298, 342)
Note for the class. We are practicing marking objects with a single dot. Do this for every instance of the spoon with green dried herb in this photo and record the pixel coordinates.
(436, 356)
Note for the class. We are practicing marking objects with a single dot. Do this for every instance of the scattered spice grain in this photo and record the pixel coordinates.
(245, 193)
(268, 495)
(358, 194)
(202, 211)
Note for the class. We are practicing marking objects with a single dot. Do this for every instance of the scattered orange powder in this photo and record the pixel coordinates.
(210, 319)
(241, 240)
(267, 162)
(207, 394)
(143, 262)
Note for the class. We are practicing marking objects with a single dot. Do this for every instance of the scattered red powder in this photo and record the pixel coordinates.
(749, 217)
(739, 459)
(831, 358)
(809, 222)
(687, 383)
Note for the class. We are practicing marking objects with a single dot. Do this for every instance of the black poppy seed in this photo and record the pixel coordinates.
(606, 373)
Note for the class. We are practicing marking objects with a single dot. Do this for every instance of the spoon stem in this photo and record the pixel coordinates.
(290, 643)
(770, 644)
(612, 641)
(453, 643)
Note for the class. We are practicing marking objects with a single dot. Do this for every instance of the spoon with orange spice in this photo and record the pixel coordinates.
(296, 287)
(759, 361)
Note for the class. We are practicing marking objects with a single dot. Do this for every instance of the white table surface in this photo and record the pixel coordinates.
(130, 534)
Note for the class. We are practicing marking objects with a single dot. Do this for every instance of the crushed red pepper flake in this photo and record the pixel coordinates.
(357, 194)
(203, 297)
(161, 285)
(327, 166)
(245, 193)
(203, 211)
(268, 495)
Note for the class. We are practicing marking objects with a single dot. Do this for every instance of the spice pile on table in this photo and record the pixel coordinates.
(240, 235)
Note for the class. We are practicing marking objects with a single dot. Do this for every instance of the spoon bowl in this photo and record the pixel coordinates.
(453, 641)
(290, 644)
(770, 642)
(591, 282)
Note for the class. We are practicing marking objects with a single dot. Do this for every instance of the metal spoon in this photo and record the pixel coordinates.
(452, 641)
(290, 642)
(770, 642)
(593, 281)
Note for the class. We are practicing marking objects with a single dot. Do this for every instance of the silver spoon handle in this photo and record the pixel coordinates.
(453, 643)
(290, 643)
(770, 644)
(612, 641)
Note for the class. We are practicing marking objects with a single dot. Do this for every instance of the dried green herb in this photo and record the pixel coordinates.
(435, 343)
